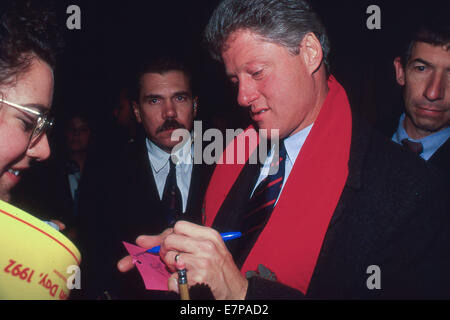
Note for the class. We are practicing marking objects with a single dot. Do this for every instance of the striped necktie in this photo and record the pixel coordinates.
(261, 204)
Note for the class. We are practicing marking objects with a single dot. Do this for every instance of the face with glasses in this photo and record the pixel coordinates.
(24, 107)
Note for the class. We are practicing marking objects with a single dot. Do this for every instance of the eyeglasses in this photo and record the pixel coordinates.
(43, 124)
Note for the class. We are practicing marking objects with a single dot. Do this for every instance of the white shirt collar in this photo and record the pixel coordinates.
(430, 143)
(295, 142)
(293, 145)
(159, 158)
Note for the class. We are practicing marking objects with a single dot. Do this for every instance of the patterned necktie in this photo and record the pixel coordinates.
(261, 204)
(415, 147)
(172, 196)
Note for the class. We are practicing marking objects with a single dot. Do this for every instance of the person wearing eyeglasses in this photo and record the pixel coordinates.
(348, 215)
(27, 60)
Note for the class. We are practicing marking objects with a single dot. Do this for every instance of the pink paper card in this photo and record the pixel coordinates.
(153, 271)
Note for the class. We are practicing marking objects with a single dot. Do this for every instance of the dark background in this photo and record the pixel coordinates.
(98, 58)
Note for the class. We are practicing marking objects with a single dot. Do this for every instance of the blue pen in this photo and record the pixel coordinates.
(225, 237)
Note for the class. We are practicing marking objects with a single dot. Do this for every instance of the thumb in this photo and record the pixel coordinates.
(60, 225)
(148, 242)
(172, 283)
(125, 264)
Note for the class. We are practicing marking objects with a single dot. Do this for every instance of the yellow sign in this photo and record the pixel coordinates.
(36, 260)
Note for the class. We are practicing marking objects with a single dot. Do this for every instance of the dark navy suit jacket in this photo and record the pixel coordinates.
(393, 213)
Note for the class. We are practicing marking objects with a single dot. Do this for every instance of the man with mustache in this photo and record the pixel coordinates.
(153, 185)
(346, 206)
(424, 73)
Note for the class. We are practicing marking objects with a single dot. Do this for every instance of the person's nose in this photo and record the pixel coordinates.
(169, 110)
(435, 87)
(40, 150)
(248, 93)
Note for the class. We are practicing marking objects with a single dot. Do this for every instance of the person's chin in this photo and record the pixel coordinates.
(426, 123)
(166, 144)
(268, 130)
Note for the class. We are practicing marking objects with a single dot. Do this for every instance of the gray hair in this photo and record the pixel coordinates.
(284, 22)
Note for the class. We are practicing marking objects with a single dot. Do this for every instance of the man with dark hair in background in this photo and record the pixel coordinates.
(424, 73)
(344, 201)
(153, 185)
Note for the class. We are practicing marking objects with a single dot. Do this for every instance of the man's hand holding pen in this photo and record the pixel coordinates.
(203, 253)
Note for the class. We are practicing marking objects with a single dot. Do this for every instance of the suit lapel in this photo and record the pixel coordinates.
(237, 199)
(441, 158)
(235, 206)
(144, 196)
(360, 142)
(144, 175)
(199, 180)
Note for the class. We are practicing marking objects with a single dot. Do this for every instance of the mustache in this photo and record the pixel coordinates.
(170, 124)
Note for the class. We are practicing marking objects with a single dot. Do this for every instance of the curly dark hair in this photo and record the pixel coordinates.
(27, 29)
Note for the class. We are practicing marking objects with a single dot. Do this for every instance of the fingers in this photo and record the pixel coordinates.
(203, 254)
(60, 225)
(125, 264)
(200, 246)
(173, 279)
(169, 260)
(197, 232)
(148, 242)
(192, 238)
(180, 243)
(172, 283)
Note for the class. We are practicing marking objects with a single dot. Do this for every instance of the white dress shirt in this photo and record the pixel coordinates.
(159, 160)
(293, 146)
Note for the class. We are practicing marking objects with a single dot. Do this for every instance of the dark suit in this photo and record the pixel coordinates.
(441, 158)
(130, 207)
(392, 213)
(135, 199)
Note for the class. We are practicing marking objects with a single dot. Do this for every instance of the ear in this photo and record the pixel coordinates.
(399, 71)
(311, 49)
(136, 111)
(195, 106)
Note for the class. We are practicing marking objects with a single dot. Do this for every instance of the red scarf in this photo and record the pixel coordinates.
(291, 242)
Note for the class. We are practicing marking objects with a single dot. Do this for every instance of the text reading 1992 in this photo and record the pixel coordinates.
(17, 271)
